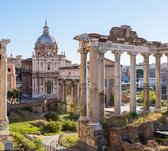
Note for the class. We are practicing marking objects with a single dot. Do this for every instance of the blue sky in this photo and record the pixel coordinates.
(22, 22)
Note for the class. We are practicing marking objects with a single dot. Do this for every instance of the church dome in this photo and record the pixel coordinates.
(45, 38)
(46, 44)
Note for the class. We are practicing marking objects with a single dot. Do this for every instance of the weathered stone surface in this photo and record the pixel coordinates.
(8, 146)
(153, 144)
(146, 130)
(115, 137)
(135, 147)
(132, 132)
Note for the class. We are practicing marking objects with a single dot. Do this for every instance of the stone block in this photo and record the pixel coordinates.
(8, 146)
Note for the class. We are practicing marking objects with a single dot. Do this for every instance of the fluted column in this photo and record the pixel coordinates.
(133, 82)
(146, 105)
(117, 83)
(83, 85)
(101, 83)
(158, 82)
(93, 101)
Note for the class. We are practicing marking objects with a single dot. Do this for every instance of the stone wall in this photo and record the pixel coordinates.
(130, 134)
(92, 135)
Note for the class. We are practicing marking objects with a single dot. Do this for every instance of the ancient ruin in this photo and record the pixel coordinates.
(121, 39)
(3, 95)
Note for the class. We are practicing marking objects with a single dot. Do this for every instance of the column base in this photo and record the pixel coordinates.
(83, 119)
(92, 135)
(4, 125)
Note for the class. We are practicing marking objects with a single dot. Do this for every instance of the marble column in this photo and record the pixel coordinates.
(132, 82)
(158, 91)
(101, 83)
(117, 83)
(146, 105)
(83, 85)
(93, 101)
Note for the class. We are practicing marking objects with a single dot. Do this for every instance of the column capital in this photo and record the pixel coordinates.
(83, 51)
(157, 55)
(101, 51)
(132, 53)
(117, 53)
(145, 55)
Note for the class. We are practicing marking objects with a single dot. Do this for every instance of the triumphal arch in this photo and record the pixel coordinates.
(121, 39)
(3, 94)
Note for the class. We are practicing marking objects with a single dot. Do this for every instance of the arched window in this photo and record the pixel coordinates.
(48, 66)
(41, 64)
(55, 64)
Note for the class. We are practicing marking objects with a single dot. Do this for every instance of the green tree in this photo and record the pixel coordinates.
(139, 73)
(13, 95)
(152, 96)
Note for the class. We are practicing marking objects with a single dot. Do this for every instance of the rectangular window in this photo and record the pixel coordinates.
(111, 83)
(105, 82)
(9, 69)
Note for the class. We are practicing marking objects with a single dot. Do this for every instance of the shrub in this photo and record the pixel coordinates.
(26, 108)
(54, 127)
(133, 115)
(54, 116)
(38, 142)
(41, 123)
(69, 125)
(73, 116)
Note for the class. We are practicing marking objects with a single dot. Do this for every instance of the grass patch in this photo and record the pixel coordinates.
(69, 139)
(18, 130)
(146, 118)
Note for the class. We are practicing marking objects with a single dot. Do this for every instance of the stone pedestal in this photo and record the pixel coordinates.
(92, 135)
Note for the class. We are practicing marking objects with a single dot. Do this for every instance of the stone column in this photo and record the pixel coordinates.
(83, 85)
(93, 101)
(146, 105)
(101, 83)
(117, 83)
(3, 85)
(64, 91)
(133, 82)
(158, 82)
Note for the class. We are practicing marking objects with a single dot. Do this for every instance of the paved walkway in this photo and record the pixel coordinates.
(126, 108)
(50, 143)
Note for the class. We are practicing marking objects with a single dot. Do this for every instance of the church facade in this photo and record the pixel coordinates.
(45, 66)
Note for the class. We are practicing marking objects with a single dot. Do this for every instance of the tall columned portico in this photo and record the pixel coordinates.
(117, 83)
(83, 84)
(133, 81)
(101, 82)
(146, 83)
(158, 82)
